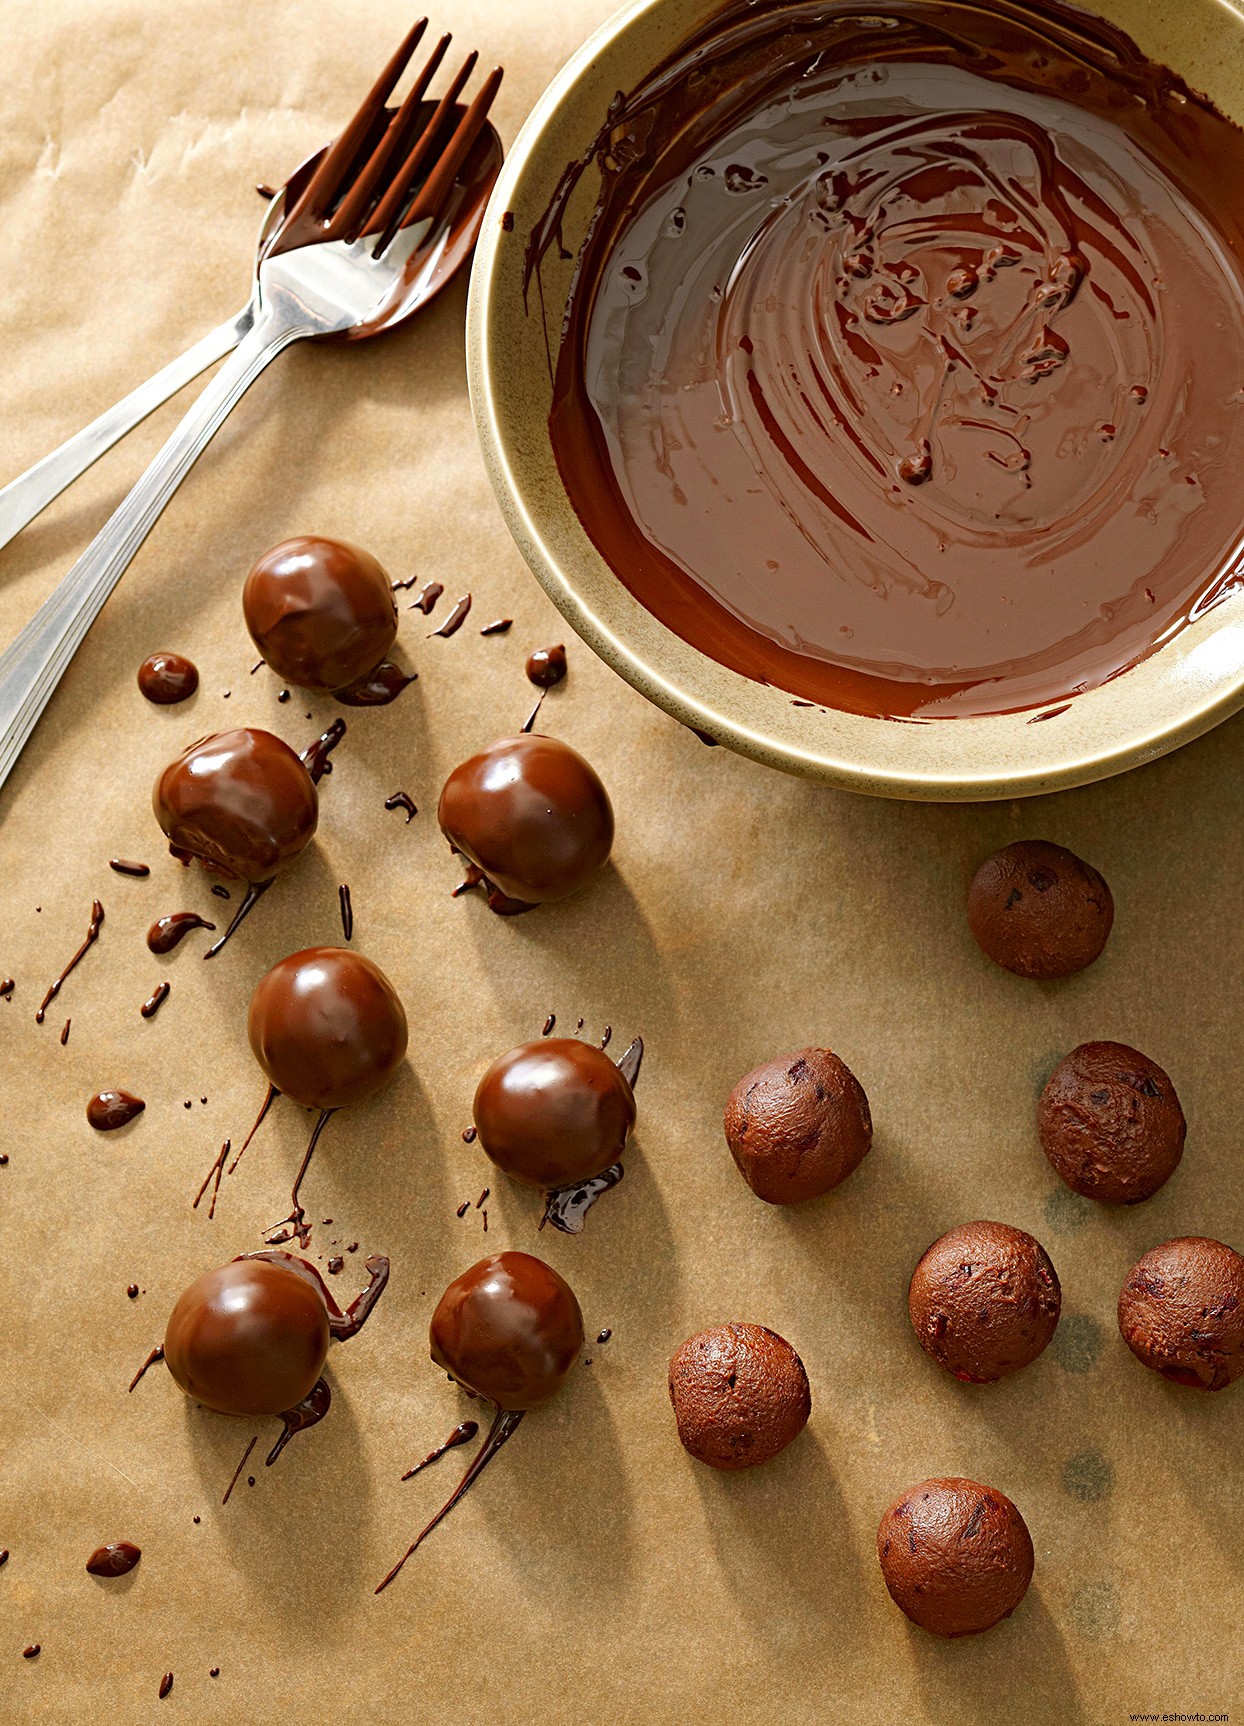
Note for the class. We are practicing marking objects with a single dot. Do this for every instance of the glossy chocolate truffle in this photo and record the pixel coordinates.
(508, 1329)
(327, 1027)
(984, 1301)
(740, 1395)
(320, 611)
(241, 801)
(797, 1126)
(531, 814)
(1039, 910)
(956, 1556)
(1181, 1312)
(249, 1338)
(554, 1112)
(1111, 1124)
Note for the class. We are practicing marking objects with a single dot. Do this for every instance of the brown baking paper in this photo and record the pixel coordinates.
(596, 1574)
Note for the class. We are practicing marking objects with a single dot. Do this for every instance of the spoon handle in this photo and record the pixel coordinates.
(34, 664)
(25, 497)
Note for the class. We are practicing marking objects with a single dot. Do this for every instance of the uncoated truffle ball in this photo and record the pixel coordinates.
(956, 1556)
(1111, 1124)
(798, 1126)
(1039, 910)
(1181, 1312)
(984, 1301)
(740, 1395)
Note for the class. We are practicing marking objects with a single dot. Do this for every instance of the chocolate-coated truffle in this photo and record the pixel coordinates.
(797, 1126)
(956, 1556)
(1111, 1124)
(327, 1027)
(249, 1338)
(984, 1301)
(1181, 1312)
(241, 801)
(554, 1112)
(320, 611)
(508, 1329)
(740, 1395)
(1039, 910)
(531, 814)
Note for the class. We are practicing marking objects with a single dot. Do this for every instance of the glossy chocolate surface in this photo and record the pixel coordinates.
(508, 1329)
(893, 368)
(320, 611)
(241, 801)
(248, 1338)
(554, 1112)
(327, 1027)
(531, 814)
(108, 1110)
(166, 678)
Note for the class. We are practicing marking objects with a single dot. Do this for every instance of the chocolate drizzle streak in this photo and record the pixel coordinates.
(92, 935)
(157, 1354)
(168, 931)
(315, 756)
(347, 911)
(309, 1412)
(462, 1434)
(123, 866)
(457, 617)
(505, 1424)
(427, 597)
(159, 995)
(499, 626)
(255, 891)
(402, 800)
(378, 688)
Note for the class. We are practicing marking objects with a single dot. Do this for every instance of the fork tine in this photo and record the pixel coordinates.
(435, 188)
(350, 215)
(326, 181)
(389, 212)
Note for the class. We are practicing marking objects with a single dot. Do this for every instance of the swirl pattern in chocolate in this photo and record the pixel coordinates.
(893, 369)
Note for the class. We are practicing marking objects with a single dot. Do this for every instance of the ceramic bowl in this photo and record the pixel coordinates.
(1192, 683)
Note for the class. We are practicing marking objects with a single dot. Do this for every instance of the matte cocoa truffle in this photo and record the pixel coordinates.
(798, 1126)
(320, 611)
(248, 1338)
(1181, 1312)
(1039, 910)
(984, 1301)
(1111, 1124)
(740, 1395)
(531, 815)
(554, 1112)
(956, 1556)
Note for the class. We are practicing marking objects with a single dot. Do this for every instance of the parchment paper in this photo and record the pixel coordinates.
(596, 1574)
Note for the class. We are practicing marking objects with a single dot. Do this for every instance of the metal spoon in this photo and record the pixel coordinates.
(27, 496)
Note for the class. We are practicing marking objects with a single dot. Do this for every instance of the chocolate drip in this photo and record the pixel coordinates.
(218, 1167)
(157, 1354)
(347, 911)
(295, 1226)
(499, 626)
(566, 1208)
(498, 902)
(342, 1325)
(402, 800)
(309, 1412)
(108, 1110)
(92, 935)
(7, 987)
(427, 597)
(604, 1335)
(315, 756)
(123, 866)
(546, 666)
(64, 1032)
(166, 1685)
(238, 1470)
(166, 678)
(530, 720)
(550, 1024)
(118, 1558)
(462, 1434)
(378, 688)
(168, 931)
(151, 1006)
(506, 1423)
(220, 890)
(631, 1060)
(457, 617)
(255, 891)
(403, 586)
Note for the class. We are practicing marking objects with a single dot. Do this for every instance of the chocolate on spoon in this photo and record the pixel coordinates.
(509, 1331)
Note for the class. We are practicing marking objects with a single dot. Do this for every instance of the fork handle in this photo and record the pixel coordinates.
(27, 496)
(34, 664)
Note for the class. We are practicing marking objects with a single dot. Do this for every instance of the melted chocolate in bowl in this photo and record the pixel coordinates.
(903, 367)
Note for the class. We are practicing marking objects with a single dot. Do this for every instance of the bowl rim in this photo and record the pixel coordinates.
(1220, 694)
